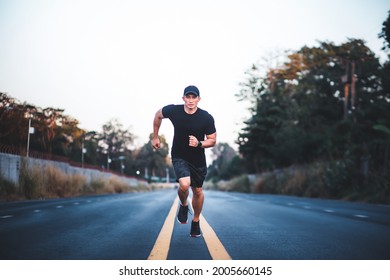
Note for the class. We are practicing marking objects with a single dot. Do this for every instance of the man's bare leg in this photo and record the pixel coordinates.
(197, 202)
(183, 190)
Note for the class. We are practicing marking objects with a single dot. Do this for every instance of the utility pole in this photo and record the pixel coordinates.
(349, 81)
(345, 80)
(353, 88)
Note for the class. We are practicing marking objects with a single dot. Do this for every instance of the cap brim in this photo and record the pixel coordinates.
(190, 92)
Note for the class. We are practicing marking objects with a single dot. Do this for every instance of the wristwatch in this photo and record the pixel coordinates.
(200, 144)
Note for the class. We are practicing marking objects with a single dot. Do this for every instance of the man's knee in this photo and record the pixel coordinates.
(184, 183)
(197, 191)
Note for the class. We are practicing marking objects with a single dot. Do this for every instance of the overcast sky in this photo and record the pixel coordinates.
(101, 60)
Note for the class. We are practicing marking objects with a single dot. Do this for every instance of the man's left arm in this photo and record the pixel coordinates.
(209, 141)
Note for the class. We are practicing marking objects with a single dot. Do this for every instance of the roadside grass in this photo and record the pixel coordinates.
(319, 180)
(237, 184)
(47, 181)
(8, 190)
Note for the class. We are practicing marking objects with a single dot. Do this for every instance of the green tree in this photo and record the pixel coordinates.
(385, 33)
(151, 162)
(66, 140)
(14, 124)
(226, 163)
(302, 113)
(385, 73)
(53, 130)
(114, 144)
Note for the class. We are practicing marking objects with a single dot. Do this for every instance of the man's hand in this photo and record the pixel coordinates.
(158, 117)
(156, 143)
(193, 142)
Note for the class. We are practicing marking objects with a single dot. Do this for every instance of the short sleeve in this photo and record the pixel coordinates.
(210, 128)
(167, 110)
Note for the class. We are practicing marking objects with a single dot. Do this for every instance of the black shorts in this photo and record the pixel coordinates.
(185, 169)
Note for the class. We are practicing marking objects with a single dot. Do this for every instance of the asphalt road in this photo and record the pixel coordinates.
(250, 227)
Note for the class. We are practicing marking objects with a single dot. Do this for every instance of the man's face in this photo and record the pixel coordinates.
(191, 100)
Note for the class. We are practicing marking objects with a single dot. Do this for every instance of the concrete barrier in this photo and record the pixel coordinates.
(10, 168)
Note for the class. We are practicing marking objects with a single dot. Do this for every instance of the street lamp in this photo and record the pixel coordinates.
(108, 161)
(30, 131)
(83, 151)
(120, 158)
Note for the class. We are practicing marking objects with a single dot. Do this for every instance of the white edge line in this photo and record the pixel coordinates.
(6, 217)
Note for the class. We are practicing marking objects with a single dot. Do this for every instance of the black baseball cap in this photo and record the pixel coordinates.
(191, 89)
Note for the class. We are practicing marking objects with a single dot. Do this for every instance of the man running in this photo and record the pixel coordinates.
(194, 130)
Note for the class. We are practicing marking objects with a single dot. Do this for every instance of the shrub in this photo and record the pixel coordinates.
(47, 181)
(237, 184)
(8, 190)
(98, 185)
(30, 181)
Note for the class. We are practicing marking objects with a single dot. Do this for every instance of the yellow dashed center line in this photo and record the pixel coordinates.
(216, 249)
(161, 247)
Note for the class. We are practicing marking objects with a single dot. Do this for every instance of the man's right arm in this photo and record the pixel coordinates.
(156, 127)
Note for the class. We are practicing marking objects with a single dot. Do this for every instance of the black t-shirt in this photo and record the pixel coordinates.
(199, 124)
